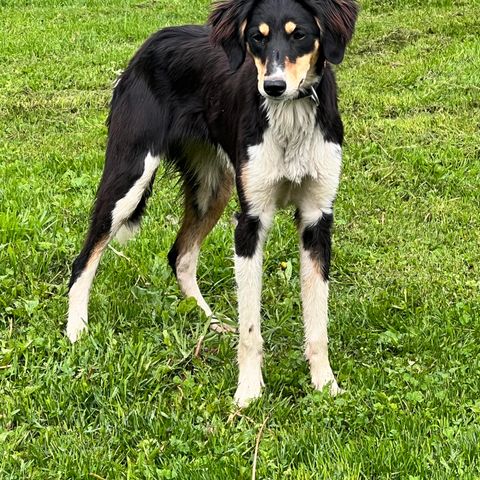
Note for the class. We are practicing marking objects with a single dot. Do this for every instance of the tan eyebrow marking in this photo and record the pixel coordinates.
(290, 27)
(264, 29)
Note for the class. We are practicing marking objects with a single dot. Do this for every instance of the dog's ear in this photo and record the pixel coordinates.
(336, 19)
(228, 20)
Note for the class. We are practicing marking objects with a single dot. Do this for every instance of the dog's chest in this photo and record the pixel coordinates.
(293, 146)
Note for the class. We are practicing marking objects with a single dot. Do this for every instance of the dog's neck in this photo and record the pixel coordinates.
(292, 124)
(291, 116)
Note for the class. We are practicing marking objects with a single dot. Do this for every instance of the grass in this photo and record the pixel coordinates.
(130, 400)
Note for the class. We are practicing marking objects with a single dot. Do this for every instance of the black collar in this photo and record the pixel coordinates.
(310, 93)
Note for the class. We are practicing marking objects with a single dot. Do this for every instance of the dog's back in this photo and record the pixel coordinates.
(179, 87)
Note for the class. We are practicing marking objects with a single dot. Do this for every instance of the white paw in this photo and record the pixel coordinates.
(221, 327)
(75, 329)
(247, 392)
(327, 379)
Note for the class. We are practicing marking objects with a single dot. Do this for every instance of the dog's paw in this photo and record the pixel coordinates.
(75, 329)
(335, 389)
(247, 392)
(327, 379)
(221, 327)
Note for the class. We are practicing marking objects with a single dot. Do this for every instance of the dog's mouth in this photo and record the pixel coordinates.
(284, 97)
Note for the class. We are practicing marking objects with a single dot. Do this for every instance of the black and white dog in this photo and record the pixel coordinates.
(251, 99)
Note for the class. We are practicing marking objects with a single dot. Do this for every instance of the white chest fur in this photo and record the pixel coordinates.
(293, 151)
(293, 146)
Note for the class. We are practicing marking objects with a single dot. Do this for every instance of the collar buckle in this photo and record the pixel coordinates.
(311, 92)
(314, 96)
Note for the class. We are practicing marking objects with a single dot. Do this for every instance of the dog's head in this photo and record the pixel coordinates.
(289, 40)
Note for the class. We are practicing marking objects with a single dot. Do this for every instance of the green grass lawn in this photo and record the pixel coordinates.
(131, 400)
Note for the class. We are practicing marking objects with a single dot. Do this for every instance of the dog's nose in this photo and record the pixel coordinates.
(275, 88)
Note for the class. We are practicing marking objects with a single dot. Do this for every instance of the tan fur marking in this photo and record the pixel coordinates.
(244, 180)
(290, 27)
(194, 229)
(298, 71)
(264, 29)
(261, 69)
(97, 252)
(243, 26)
(318, 268)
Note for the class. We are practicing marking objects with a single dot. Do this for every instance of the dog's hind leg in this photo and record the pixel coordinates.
(120, 201)
(206, 191)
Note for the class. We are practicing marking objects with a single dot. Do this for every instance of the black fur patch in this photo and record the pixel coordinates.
(317, 239)
(78, 266)
(337, 18)
(172, 258)
(226, 20)
(328, 116)
(246, 235)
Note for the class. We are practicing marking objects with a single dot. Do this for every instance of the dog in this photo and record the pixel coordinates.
(248, 100)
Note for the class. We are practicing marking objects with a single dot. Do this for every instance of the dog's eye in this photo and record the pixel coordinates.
(298, 35)
(258, 37)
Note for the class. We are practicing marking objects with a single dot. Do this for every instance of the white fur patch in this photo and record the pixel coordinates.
(295, 164)
(248, 274)
(78, 301)
(126, 205)
(292, 154)
(314, 199)
(315, 316)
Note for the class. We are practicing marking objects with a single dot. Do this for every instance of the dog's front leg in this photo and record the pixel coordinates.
(315, 235)
(250, 235)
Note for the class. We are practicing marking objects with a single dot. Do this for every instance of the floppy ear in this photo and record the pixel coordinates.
(337, 23)
(228, 21)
